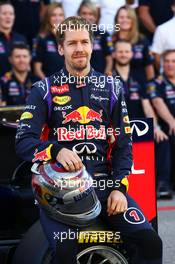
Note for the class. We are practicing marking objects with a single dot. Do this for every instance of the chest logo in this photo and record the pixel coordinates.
(82, 115)
(60, 89)
(26, 115)
(61, 100)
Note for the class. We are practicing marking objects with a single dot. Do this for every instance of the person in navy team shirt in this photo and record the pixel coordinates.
(29, 14)
(16, 84)
(139, 106)
(101, 59)
(7, 36)
(134, 93)
(162, 93)
(142, 62)
(45, 53)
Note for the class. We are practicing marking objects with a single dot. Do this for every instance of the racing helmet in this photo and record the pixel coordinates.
(68, 197)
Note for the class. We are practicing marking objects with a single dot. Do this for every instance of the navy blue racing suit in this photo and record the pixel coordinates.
(83, 117)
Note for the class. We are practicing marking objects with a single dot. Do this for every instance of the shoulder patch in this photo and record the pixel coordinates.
(7, 76)
(151, 86)
(41, 84)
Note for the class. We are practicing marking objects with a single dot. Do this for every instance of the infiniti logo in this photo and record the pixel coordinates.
(85, 148)
(100, 84)
(140, 127)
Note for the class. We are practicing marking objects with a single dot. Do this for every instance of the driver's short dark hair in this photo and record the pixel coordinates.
(71, 23)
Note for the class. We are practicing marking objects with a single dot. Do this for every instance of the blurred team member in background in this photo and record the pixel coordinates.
(162, 94)
(135, 95)
(45, 52)
(29, 14)
(107, 8)
(139, 106)
(153, 13)
(142, 62)
(7, 36)
(16, 84)
(164, 37)
(101, 59)
(70, 7)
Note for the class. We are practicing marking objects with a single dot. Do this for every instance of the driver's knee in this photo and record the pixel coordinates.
(149, 244)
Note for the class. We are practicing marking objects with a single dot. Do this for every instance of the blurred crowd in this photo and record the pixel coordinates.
(133, 39)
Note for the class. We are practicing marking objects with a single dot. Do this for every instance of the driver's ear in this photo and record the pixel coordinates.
(60, 50)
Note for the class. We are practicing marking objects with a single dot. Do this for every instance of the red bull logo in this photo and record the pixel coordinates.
(82, 115)
(90, 132)
(74, 116)
(42, 155)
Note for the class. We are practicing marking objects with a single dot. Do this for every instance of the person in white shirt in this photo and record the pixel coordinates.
(108, 9)
(164, 38)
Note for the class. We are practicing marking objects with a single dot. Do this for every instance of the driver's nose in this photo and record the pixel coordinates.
(79, 47)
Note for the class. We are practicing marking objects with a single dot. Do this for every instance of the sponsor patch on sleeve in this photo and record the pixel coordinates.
(26, 115)
(43, 155)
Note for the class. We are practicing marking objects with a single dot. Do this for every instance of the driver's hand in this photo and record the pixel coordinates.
(69, 159)
(116, 203)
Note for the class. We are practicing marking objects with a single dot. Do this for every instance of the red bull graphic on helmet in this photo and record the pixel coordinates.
(82, 115)
(43, 155)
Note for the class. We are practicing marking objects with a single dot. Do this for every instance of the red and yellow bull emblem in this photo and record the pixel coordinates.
(82, 115)
(43, 155)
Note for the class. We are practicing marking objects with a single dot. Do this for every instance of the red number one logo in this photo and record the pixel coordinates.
(134, 214)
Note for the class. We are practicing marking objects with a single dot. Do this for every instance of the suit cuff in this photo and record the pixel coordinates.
(54, 151)
(123, 187)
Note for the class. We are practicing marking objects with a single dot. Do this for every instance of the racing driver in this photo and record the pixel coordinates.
(82, 110)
